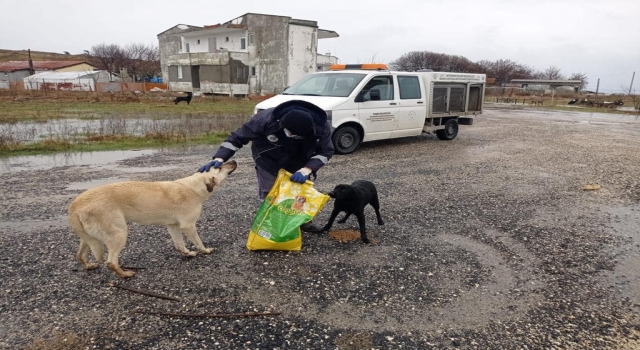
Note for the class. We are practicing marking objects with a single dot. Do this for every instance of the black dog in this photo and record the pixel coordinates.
(187, 98)
(352, 199)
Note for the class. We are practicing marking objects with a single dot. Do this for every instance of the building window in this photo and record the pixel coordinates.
(179, 72)
(198, 42)
(243, 43)
(226, 40)
(242, 73)
(253, 71)
(180, 44)
(187, 46)
(251, 39)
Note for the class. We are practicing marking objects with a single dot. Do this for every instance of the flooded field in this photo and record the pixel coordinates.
(71, 129)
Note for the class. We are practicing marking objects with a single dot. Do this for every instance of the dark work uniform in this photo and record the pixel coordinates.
(272, 150)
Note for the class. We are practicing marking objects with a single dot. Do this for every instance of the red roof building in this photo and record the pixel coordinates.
(17, 70)
(13, 66)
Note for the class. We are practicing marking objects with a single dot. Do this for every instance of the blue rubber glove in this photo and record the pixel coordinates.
(301, 175)
(216, 163)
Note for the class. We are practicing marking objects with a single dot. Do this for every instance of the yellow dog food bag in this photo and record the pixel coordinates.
(287, 206)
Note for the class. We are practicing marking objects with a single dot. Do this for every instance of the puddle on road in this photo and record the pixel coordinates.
(25, 226)
(43, 162)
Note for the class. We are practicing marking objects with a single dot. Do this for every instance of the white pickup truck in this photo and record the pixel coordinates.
(368, 102)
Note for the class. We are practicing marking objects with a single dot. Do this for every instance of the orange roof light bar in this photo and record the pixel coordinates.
(365, 66)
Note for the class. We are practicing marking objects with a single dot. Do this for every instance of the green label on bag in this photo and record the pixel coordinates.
(279, 222)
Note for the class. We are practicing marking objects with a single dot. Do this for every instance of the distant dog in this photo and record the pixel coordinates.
(352, 199)
(187, 98)
(100, 215)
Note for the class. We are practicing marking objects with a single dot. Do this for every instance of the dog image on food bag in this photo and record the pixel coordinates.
(352, 199)
(99, 216)
(298, 203)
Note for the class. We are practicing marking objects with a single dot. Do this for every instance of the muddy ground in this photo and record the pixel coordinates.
(490, 242)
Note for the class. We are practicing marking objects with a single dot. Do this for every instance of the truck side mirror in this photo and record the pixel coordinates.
(374, 94)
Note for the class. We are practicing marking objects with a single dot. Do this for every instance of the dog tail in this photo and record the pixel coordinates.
(76, 223)
(86, 241)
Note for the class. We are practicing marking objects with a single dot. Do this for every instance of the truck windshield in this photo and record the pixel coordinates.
(326, 84)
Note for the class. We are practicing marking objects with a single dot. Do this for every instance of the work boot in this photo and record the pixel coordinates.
(310, 227)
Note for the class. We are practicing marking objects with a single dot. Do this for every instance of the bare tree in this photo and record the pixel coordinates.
(584, 81)
(505, 70)
(109, 57)
(417, 60)
(140, 60)
(150, 66)
(553, 73)
(134, 54)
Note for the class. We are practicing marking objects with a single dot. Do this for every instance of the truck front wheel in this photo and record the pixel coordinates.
(346, 139)
(450, 130)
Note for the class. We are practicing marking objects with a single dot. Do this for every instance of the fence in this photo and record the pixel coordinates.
(57, 85)
(119, 87)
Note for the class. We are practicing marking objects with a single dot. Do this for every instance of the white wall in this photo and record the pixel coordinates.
(232, 45)
(302, 52)
(224, 89)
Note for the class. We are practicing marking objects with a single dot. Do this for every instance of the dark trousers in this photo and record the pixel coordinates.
(265, 182)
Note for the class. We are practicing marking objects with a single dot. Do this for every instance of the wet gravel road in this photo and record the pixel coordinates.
(490, 242)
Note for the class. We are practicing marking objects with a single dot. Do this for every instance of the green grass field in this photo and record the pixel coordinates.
(39, 107)
(207, 120)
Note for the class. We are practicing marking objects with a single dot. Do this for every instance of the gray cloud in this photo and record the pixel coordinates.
(600, 38)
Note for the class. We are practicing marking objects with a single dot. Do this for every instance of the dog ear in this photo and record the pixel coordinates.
(211, 184)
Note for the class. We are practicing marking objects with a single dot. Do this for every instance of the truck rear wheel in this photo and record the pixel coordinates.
(450, 130)
(345, 140)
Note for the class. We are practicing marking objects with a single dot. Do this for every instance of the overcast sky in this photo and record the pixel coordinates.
(599, 38)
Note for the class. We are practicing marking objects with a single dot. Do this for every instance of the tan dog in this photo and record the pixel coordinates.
(100, 215)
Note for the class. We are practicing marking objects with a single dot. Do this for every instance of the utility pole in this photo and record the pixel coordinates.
(31, 70)
(631, 85)
(597, 87)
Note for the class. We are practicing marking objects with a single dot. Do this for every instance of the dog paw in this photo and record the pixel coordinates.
(126, 274)
(91, 266)
(189, 253)
(366, 240)
(380, 222)
(206, 250)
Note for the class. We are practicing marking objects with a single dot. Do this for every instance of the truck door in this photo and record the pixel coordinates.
(377, 107)
(412, 107)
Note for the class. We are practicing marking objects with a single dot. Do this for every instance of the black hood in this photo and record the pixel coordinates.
(318, 114)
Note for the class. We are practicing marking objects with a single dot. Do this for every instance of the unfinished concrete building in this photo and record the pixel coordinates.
(252, 54)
